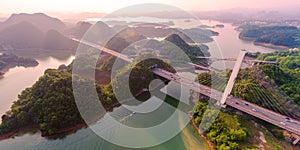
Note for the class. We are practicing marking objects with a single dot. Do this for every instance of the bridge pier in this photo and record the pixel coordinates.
(297, 140)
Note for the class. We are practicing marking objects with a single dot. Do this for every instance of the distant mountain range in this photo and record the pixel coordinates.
(79, 29)
(41, 32)
(40, 20)
(34, 31)
(99, 32)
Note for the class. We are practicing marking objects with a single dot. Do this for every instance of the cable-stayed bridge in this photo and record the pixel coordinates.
(224, 98)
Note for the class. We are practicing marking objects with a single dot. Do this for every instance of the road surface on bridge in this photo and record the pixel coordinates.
(252, 109)
(234, 59)
(247, 107)
(104, 49)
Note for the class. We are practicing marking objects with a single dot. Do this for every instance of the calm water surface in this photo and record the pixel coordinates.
(19, 78)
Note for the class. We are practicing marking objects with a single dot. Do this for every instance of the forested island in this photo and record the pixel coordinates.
(10, 60)
(192, 51)
(49, 105)
(272, 36)
(233, 130)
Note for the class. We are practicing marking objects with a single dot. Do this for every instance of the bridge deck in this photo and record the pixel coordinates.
(234, 59)
(249, 108)
(109, 51)
(252, 109)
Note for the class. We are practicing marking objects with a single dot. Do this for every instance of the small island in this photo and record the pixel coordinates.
(8, 61)
(219, 26)
(214, 26)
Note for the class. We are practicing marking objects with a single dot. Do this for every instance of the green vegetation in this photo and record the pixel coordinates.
(287, 74)
(173, 48)
(191, 51)
(198, 35)
(288, 36)
(11, 60)
(226, 132)
(256, 85)
(253, 55)
(188, 49)
(106, 65)
(140, 76)
(275, 87)
(270, 141)
(49, 104)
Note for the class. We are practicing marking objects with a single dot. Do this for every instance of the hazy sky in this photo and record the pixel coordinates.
(67, 6)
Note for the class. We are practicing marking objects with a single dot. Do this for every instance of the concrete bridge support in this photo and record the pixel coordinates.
(232, 78)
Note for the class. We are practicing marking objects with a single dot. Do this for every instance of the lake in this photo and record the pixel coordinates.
(19, 78)
(86, 139)
(16, 79)
(227, 44)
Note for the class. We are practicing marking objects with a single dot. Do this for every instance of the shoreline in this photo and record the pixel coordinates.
(4, 71)
(69, 130)
(26, 129)
(7, 68)
(269, 45)
(209, 143)
(23, 130)
(19, 131)
(266, 45)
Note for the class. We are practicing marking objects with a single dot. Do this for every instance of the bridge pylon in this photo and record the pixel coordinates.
(232, 78)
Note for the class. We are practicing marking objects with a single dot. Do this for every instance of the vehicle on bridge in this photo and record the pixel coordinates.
(153, 66)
